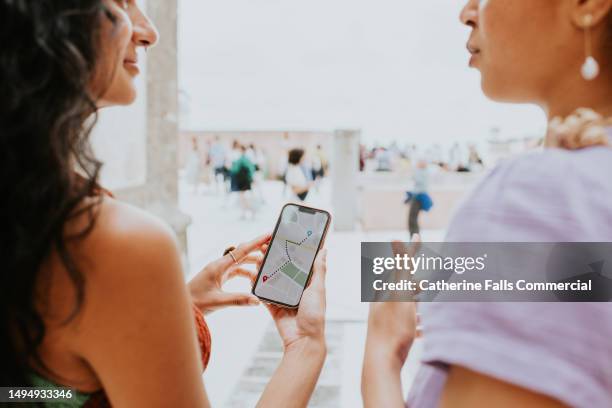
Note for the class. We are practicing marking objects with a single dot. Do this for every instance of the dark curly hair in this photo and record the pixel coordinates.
(47, 170)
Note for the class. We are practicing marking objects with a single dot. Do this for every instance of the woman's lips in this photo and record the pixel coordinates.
(475, 52)
(131, 66)
(473, 60)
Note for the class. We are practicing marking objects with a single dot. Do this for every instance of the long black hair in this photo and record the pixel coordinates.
(48, 60)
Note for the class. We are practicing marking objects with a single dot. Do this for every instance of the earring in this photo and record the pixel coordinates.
(590, 68)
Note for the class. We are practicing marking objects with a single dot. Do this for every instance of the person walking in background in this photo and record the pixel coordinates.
(232, 156)
(319, 166)
(363, 155)
(475, 162)
(257, 157)
(384, 160)
(320, 153)
(217, 158)
(295, 178)
(242, 173)
(419, 199)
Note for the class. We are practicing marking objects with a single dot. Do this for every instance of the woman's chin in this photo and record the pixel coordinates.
(128, 100)
(124, 98)
(499, 93)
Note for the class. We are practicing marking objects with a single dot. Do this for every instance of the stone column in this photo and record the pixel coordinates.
(345, 169)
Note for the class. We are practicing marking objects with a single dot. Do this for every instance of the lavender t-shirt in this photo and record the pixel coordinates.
(562, 350)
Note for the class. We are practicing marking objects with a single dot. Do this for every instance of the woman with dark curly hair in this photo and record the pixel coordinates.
(91, 290)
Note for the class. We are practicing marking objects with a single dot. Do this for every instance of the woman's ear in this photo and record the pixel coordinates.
(598, 10)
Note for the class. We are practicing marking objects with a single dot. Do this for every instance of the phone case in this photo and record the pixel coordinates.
(321, 244)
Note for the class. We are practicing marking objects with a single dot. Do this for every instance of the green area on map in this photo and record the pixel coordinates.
(294, 273)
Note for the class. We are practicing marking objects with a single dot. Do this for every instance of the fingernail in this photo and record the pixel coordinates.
(253, 302)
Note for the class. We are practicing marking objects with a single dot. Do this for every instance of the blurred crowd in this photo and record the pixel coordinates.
(239, 170)
(458, 158)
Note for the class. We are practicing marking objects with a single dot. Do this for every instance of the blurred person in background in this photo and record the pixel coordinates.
(418, 198)
(455, 157)
(242, 174)
(384, 160)
(295, 177)
(319, 166)
(257, 157)
(521, 354)
(363, 156)
(92, 293)
(475, 162)
(324, 161)
(234, 154)
(217, 159)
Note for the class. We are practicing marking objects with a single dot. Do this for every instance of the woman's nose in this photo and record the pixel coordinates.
(145, 33)
(469, 13)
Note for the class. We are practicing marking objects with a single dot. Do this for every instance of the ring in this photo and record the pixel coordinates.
(230, 251)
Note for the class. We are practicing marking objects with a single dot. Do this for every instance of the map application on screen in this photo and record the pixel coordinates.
(291, 255)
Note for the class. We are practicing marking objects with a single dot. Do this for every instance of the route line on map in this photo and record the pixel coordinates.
(288, 256)
(276, 271)
(295, 243)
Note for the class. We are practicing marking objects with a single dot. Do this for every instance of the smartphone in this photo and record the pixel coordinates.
(287, 266)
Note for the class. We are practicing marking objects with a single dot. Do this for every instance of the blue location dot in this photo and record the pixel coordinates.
(309, 233)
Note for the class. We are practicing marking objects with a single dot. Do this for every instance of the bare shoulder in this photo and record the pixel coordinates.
(123, 237)
(125, 246)
(124, 228)
(129, 257)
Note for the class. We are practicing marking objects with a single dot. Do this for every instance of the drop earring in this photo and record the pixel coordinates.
(590, 68)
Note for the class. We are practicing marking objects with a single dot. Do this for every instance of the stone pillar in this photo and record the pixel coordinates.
(162, 102)
(344, 179)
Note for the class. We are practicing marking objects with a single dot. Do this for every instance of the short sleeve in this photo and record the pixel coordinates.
(556, 349)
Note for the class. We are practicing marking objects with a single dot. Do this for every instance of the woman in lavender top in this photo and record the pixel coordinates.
(521, 354)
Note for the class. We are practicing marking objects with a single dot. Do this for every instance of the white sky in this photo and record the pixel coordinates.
(397, 69)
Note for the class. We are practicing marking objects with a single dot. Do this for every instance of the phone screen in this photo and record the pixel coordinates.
(291, 254)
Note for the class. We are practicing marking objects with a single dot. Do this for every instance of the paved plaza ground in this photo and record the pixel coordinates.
(245, 345)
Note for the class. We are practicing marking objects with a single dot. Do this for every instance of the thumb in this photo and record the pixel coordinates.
(236, 299)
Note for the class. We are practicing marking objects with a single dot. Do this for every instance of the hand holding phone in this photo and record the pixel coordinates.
(286, 269)
(308, 321)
